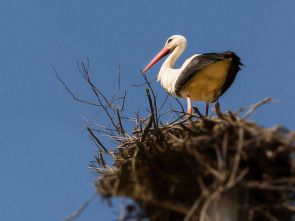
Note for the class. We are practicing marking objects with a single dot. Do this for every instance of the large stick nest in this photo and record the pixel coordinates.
(193, 168)
(178, 171)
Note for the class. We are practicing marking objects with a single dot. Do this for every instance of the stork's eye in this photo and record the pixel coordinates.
(170, 40)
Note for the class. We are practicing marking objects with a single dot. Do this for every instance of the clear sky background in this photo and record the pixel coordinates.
(44, 155)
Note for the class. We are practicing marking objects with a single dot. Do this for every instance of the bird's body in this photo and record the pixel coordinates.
(206, 85)
(202, 77)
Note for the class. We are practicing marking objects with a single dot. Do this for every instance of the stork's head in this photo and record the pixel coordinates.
(172, 43)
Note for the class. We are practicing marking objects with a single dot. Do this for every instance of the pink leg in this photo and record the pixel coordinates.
(207, 108)
(189, 105)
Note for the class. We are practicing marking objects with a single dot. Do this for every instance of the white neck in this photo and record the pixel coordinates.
(168, 75)
(170, 61)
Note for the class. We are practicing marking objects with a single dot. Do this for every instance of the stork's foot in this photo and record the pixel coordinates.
(189, 105)
(207, 109)
(189, 110)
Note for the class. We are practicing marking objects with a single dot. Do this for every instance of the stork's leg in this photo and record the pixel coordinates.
(189, 104)
(207, 108)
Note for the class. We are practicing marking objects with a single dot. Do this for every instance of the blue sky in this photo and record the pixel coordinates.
(44, 155)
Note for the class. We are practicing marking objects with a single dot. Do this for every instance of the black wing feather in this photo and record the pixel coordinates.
(232, 73)
(199, 62)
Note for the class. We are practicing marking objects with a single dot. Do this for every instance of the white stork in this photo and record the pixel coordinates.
(202, 77)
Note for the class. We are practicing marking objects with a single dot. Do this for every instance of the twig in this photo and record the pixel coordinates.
(255, 106)
(68, 90)
(198, 112)
(233, 175)
(138, 85)
(97, 140)
(146, 129)
(218, 110)
(214, 196)
(81, 209)
(193, 209)
(153, 112)
(175, 98)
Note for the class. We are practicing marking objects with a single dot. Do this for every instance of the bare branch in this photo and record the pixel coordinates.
(255, 106)
(81, 209)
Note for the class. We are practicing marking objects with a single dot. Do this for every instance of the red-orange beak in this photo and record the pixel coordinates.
(160, 55)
